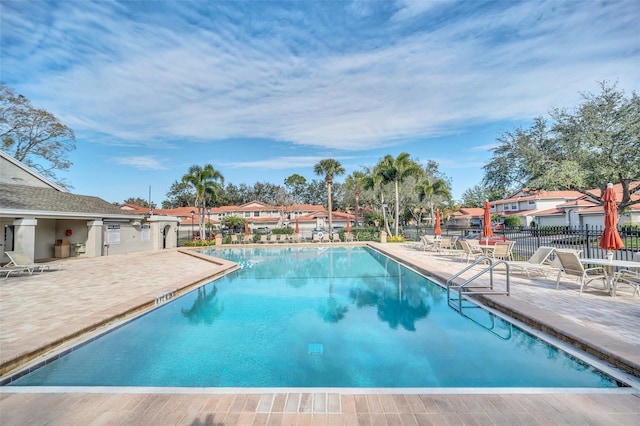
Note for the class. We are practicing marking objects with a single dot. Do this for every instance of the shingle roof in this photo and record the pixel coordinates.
(29, 198)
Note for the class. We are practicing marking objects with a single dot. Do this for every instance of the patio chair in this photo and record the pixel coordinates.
(469, 252)
(272, 238)
(325, 238)
(316, 238)
(263, 239)
(570, 265)
(234, 239)
(629, 276)
(348, 237)
(295, 238)
(20, 260)
(335, 237)
(537, 263)
(502, 250)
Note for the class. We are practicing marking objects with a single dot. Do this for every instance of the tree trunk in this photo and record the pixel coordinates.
(329, 204)
(397, 207)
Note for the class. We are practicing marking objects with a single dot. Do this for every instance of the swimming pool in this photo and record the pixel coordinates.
(316, 317)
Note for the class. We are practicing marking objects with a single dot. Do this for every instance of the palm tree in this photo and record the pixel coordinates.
(396, 170)
(374, 180)
(355, 181)
(430, 188)
(329, 168)
(208, 184)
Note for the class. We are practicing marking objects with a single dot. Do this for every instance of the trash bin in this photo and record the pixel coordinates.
(61, 248)
(383, 237)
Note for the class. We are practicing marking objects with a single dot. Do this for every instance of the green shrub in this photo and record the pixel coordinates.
(512, 221)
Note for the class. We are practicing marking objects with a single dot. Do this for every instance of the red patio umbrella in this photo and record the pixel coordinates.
(297, 227)
(246, 228)
(487, 232)
(437, 230)
(610, 239)
(348, 225)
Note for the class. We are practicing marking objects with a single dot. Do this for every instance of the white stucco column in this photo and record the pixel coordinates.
(159, 225)
(25, 236)
(94, 238)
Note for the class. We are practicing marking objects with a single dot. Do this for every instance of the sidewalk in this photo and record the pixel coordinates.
(58, 305)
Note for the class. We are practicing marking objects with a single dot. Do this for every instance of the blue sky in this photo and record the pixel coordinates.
(263, 90)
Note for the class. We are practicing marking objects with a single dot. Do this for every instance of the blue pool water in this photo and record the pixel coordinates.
(316, 317)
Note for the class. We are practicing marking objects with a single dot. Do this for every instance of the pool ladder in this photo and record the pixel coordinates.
(467, 288)
(473, 312)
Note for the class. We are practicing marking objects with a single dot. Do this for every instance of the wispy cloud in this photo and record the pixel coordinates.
(219, 71)
(486, 147)
(142, 162)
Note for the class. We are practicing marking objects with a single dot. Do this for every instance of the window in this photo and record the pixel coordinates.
(247, 214)
(256, 214)
(506, 207)
(532, 202)
(514, 207)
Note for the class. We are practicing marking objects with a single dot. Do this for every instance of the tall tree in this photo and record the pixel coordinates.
(354, 184)
(580, 150)
(207, 183)
(396, 170)
(329, 168)
(373, 180)
(296, 185)
(34, 136)
(475, 196)
(180, 194)
(429, 190)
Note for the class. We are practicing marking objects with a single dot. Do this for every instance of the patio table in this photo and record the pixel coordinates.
(609, 265)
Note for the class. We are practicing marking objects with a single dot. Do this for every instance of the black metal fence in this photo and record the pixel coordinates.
(585, 238)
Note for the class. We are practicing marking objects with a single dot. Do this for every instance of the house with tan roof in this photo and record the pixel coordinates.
(44, 220)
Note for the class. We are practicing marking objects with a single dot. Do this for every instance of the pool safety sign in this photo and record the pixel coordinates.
(113, 234)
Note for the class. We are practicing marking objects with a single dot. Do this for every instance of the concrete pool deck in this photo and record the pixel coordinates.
(44, 310)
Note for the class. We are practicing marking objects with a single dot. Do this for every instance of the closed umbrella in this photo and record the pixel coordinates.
(297, 227)
(610, 239)
(348, 225)
(246, 228)
(487, 232)
(437, 230)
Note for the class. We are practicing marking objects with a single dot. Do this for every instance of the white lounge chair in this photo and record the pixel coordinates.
(20, 260)
(538, 263)
(11, 269)
(629, 276)
(570, 265)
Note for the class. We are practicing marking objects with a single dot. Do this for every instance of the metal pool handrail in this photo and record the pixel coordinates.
(465, 285)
